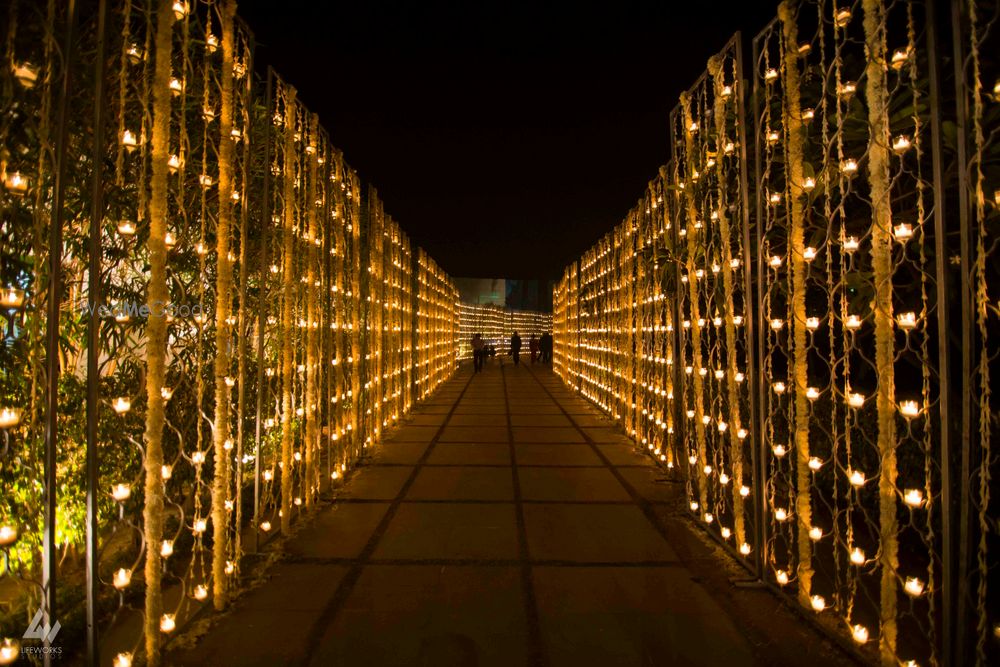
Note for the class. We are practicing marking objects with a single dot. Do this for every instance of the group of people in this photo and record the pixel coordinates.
(540, 349)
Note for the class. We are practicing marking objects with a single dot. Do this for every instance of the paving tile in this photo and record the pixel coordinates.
(424, 419)
(535, 454)
(540, 420)
(653, 484)
(413, 434)
(577, 484)
(547, 434)
(462, 483)
(593, 533)
(624, 455)
(474, 434)
(383, 483)
(351, 523)
(429, 616)
(489, 453)
(633, 616)
(445, 530)
(399, 452)
(606, 435)
(478, 419)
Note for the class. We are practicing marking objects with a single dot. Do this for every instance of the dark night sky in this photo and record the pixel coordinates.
(505, 138)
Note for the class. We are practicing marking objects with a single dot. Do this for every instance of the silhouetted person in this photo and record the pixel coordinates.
(477, 353)
(515, 348)
(533, 348)
(545, 345)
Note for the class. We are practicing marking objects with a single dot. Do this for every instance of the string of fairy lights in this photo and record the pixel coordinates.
(780, 348)
(259, 321)
(496, 325)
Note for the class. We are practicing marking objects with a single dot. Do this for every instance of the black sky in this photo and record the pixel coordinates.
(505, 138)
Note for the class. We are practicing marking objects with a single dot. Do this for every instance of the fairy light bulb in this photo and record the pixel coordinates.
(180, 8)
(849, 166)
(856, 400)
(744, 491)
(123, 659)
(900, 58)
(745, 549)
(198, 458)
(853, 322)
(906, 321)
(857, 556)
(723, 479)
(741, 433)
(121, 405)
(10, 417)
(815, 463)
(168, 623)
(909, 409)
(914, 587)
(166, 471)
(812, 323)
(694, 505)
(818, 602)
(265, 526)
(129, 140)
(777, 324)
(725, 532)
(770, 74)
(708, 517)
(809, 184)
(780, 514)
(167, 548)
(847, 88)
(901, 144)
(859, 633)
(851, 244)
(200, 592)
(781, 576)
(902, 232)
(122, 578)
(856, 477)
(815, 533)
(121, 492)
(775, 262)
(812, 393)
(779, 451)
(200, 525)
(778, 387)
(8, 535)
(913, 497)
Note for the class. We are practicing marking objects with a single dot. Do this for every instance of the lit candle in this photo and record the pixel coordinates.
(211, 43)
(847, 88)
(775, 198)
(16, 183)
(808, 114)
(180, 8)
(914, 587)
(777, 324)
(773, 137)
(11, 298)
(851, 244)
(129, 141)
(902, 232)
(775, 261)
(26, 74)
(913, 497)
(842, 17)
(906, 321)
(167, 548)
(809, 254)
(176, 86)
(126, 228)
(8, 535)
(166, 471)
(169, 240)
(122, 578)
(10, 417)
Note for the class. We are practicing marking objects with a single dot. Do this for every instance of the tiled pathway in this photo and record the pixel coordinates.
(506, 524)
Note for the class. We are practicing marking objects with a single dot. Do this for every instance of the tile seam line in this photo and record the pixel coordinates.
(536, 647)
(351, 577)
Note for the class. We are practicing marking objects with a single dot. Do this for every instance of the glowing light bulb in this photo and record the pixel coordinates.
(708, 518)
(694, 505)
(166, 471)
(809, 184)
(857, 556)
(121, 405)
(847, 89)
(909, 409)
(770, 74)
(200, 592)
(852, 322)
(812, 393)
(781, 576)
(121, 492)
(856, 477)
(815, 533)
(741, 433)
(8, 535)
(129, 140)
(775, 198)
(745, 549)
(180, 9)
(780, 514)
(779, 451)
(856, 400)
(167, 548)
(723, 479)
(200, 525)
(777, 324)
(744, 491)
(851, 244)
(849, 167)
(268, 475)
(10, 417)
(198, 458)
(265, 526)
(815, 463)
(812, 323)
(901, 144)
(859, 633)
(913, 497)
(167, 623)
(818, 602)
(902, 232)
(692, 459)
(725, 532)
(122, 660)
(914, 587)
(778, 387)
(900, 58)
(122, 578)
(775, 261)
(707, 470)
(773, 137)
(809, 254)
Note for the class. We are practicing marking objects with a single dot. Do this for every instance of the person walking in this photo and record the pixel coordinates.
(533, 348)
(477, 353)
(515, 348)
(545, 345)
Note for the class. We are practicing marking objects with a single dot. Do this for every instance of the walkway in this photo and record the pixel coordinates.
(506, 524)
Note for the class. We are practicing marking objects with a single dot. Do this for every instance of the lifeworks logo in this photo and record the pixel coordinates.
(38, 631)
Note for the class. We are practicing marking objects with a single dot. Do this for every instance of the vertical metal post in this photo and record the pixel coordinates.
(961, 549)
(941, 253)
(52, 338)
(757, 324)
(94, 335)
(749, 301)
(265, 220)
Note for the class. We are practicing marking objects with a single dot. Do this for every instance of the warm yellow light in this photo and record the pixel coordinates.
(859, 633)
(122, 578)
(8, 535)
(10, 417)
(913, 497)
(167, 623)
(121, 492)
